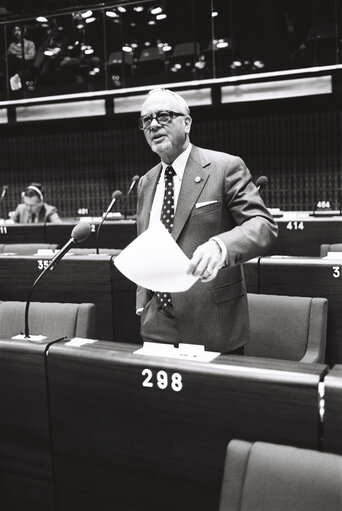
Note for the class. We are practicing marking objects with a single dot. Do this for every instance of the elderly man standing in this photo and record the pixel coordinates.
(209, 204)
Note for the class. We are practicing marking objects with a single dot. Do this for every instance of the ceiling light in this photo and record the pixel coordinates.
(48, 53)
(161, 16)
(138, 8)
(127, 48)
(221, 43)
(156, 10)
(86, 14)
(111, 14)
(259, 64)
(214, 14)
(41, 19)
(167, 47)
(122, 9)
(151, 22)
(90, 20)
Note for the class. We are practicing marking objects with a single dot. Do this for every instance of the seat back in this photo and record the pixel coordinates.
(287, 327)
(334, 247)
(26, 248)
(49, 319)
(260, 476)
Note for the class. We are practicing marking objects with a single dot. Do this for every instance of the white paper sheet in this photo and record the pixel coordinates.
(155, 261)
(184, 352)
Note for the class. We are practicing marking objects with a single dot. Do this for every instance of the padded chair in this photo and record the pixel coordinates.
(50, 319)
(26, 248)
(287, 327)
(324, 249)
(267, 477)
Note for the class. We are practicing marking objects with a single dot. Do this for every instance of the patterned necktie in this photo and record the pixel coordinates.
(166, 218)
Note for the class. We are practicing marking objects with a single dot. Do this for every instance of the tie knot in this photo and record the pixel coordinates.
(169, 172)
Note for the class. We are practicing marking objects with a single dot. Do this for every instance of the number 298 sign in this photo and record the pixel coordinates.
(162, 380)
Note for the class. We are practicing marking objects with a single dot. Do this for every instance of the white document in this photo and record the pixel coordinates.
(184, 352)
(155, 261)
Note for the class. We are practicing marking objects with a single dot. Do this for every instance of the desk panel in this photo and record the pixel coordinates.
(76, 279)
(22, 233)
(26, 481)
(140, 433)
(113, 234)
(315, 277)
(333, 411)
(303, 236)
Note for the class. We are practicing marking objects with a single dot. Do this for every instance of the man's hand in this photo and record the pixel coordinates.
(206, 261)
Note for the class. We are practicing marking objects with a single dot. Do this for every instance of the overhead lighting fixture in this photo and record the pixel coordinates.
(48, 53)
(121, 8)
(86, 14)
(138, 8)
(41, 19)
(90, 20)
(161, 16)
(151, 22)
(147, 43)
(89, 51)
(235, 64)
(127, 48)
(221, 43)
(258, 64)
(112, 14)
(214, 14)
(156, 10)
(167, 47)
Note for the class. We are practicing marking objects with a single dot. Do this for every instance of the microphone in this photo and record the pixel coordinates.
(261, 182)
(115, 195)
(3, 192)
(135, 179)
(79, 233)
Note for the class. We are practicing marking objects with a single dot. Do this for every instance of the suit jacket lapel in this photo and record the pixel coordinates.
(194, 179)
(149, 190)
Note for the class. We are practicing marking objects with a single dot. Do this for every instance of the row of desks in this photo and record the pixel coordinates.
(299, 234)
(96, 427)
(95, 279)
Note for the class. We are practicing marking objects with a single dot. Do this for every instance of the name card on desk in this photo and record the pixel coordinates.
(31, 338)
(184, 352)
(333, 255)
(79, 341)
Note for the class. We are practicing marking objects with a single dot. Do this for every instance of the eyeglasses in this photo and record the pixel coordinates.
(162, 117)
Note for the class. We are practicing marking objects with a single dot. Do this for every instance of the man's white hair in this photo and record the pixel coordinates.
(180, 100)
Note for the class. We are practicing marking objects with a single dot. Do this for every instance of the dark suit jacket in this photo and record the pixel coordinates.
(47, 213)
(215, 313)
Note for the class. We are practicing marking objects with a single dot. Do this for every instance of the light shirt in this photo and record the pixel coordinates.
(178, 166)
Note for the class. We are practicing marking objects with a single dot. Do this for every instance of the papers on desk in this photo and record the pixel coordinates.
(155, 261)
(184, 352)
(333, 255)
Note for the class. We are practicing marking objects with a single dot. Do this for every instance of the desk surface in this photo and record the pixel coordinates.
(143, 433)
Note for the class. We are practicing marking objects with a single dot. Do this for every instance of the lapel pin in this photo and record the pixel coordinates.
(198, 179)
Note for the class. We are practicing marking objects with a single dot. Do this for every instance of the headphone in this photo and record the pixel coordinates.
(36, 189)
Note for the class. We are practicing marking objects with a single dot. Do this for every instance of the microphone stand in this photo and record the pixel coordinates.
(116, 195)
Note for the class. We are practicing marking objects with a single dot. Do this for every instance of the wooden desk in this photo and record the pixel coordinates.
(118, 444)
(76, 279)
(114, 234)
(25, 459)
(304, 276)
(22, 233)
(332, 438)
(302, 236)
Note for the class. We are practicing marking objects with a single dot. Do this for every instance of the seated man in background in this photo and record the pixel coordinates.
(33, 208)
